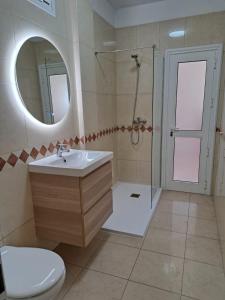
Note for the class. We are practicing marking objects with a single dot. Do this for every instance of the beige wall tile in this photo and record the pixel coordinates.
(143, 172)
(148, 35)
(16, 203)
(166, 42)
(12, 122)
(85, 24)
(127, 170)
(18, 130)
(126, 38)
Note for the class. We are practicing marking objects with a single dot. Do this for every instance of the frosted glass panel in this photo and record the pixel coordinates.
(186, 159)
(60, 95)
(190, 95)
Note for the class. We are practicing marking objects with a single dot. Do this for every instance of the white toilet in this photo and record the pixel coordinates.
(32, 273)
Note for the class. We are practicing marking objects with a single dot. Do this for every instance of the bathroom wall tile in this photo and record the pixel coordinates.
(127, 170)
(200, 30)
(12, 122)
(114, 259)
(88, 72)
(124, 109)
(92, 285)
(203, 281)
(126, 77)
(105, 75)
(146, 78)
(126, 150)
(38, 135)
(16, 204)
(142, 292)
(144, 105)
(170, 222)
(90, 112)
(104, 32)
(158, 270)
(126, 38)
(85, 24)
(165, 41)
(106, 111)
(143, 172)
(24, 236)
(144, 147)
(35, 15)
(166, 242)
(203, 250)
(7, 43)
(148, 35)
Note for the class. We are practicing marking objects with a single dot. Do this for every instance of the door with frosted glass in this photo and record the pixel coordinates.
(190, 107)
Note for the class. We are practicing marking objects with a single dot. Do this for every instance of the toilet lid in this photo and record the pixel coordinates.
(30, 271)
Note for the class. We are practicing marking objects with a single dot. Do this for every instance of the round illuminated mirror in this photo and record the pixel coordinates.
(43, 80)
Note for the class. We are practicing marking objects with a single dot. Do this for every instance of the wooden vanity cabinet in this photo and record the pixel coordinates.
(70, 209)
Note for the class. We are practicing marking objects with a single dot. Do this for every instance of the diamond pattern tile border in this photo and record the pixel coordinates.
(46, 150)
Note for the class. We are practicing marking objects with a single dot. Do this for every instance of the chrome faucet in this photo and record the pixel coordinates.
(62, 148)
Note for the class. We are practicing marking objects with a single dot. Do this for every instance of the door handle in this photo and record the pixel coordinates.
(172, 130)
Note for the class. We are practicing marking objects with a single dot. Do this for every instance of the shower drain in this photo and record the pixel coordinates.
(135, 195)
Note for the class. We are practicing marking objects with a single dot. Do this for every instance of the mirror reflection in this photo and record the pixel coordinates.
(43, 80)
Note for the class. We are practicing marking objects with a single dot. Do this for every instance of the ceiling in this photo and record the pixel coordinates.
(117, 4)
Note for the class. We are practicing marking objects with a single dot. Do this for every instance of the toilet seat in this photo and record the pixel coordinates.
(31, 272)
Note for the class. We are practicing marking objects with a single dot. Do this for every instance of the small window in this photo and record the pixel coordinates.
(46, 5)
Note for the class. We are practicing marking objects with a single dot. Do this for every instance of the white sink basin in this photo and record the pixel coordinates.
(74, 163)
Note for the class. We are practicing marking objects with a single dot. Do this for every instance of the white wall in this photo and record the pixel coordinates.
(104, 9)
(155, 12)
(165, 10)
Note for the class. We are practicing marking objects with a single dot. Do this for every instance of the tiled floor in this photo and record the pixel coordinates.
(178, 259)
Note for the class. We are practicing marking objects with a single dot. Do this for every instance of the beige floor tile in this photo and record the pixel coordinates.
(72, 273)
(158, 270)
(76, 255)
(201, 199)
(174, 207)
(172, 195)
(203, 250)
(202, 211)
(167, 242)
(170, 222)
(124, 239)
(136, 291)
(114, 259)
(203, 281)
(92, 285)
(201, 227)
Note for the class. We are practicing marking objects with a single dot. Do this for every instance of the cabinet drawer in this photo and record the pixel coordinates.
(96, 217)
(95, 185)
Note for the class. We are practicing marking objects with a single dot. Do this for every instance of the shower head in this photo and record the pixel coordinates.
(135, 57)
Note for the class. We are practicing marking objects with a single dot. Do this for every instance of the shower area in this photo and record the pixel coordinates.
(136, 189)
(121, 76)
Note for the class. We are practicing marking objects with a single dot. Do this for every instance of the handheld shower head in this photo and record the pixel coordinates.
(135, 57)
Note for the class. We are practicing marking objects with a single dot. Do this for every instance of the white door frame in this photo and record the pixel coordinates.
(218, 49)
(44, 71)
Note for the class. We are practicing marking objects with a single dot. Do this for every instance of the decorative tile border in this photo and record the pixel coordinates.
(24, 155)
